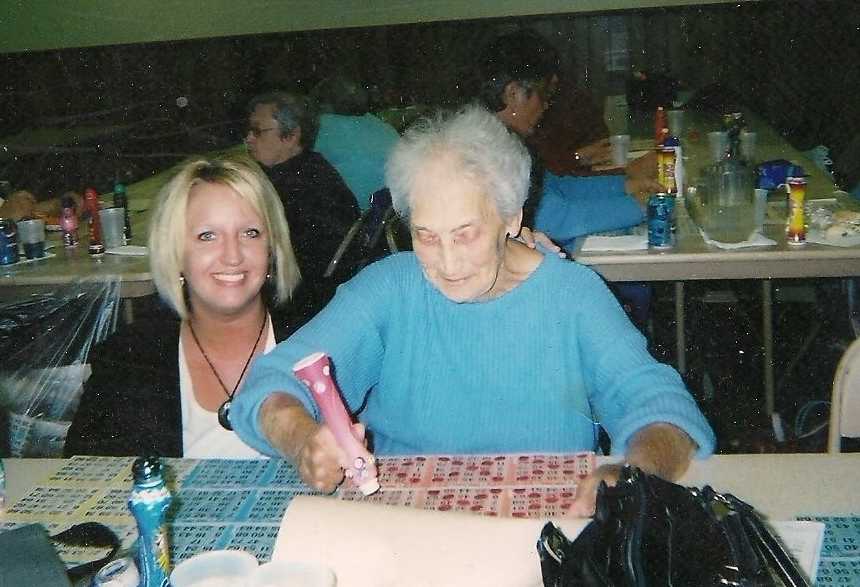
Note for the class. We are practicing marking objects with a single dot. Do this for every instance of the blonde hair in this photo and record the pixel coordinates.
(167, 225)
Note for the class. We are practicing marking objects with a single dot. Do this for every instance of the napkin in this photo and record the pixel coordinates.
(129, 250)
(628, 242)
(833, 236)
(756, 239)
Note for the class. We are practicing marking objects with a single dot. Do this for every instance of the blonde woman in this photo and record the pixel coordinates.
(221, 259)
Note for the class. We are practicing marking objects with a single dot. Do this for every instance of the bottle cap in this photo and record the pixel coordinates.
(369, 487)
(146, 469)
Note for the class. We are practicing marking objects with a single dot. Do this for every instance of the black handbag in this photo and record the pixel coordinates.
(650, 532)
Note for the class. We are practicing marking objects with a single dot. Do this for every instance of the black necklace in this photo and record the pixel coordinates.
(224, 410)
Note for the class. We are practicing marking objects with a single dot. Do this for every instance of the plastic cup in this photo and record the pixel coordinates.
(760, 209)
(285, 573)
(217, 568)
(620, 149)
(113, 227)
(748, 142)
(676, 122)
(718, 141)
(32, 236)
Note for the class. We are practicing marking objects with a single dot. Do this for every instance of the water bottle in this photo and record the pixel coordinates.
(120, 200)
(148, 502)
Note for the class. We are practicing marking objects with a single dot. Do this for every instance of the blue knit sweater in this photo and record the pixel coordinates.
(531, 370)
(573, 206)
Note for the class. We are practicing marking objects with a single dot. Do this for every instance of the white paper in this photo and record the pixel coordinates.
(755, 240)
(129, 250)
(630, 242)
(372, 545)
(803, 540)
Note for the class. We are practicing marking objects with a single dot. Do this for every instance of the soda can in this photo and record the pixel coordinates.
(8, 242)
(121, 572)
(661, 209)
(796, 229)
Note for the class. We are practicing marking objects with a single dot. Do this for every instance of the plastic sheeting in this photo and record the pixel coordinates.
(45, 342)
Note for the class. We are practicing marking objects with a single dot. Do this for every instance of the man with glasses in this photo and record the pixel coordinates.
(320, 208)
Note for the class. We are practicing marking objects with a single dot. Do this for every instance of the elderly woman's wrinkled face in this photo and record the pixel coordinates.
(265, 142)
(457, 232)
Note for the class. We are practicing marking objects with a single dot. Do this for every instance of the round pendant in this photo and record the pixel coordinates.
(224, 415)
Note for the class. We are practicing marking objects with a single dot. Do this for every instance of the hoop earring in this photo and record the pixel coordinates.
(181, 280)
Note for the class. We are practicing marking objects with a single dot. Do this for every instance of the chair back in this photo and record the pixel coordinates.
(377, 233)
(845, 402)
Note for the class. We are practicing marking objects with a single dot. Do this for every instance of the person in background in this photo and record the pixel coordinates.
(474, 342)
(320, 208)
(352, 139)
(22, 204)
(221, 258)
(518, 76)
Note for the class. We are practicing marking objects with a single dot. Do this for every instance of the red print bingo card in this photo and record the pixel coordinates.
(521, 485)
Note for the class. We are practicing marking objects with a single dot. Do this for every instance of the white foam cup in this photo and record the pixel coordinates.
(217, 568)
(286, 573)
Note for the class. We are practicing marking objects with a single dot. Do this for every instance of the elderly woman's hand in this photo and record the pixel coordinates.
(586, 490)
(532, 238)
(310, 445)
(320, 460)
(596, 154)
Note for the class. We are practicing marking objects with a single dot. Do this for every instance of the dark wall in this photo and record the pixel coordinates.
(132, 110)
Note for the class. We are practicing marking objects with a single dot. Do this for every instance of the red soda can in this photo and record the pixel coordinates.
(796, 229)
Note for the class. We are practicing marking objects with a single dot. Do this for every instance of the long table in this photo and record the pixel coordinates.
(693, 259)
(241, 506)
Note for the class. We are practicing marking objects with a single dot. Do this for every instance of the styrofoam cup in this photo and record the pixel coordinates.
(216, 568)
(286, 573)
(113, 227)
(620, 149)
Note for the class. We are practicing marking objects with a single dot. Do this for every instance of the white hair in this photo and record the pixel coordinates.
(482, 145)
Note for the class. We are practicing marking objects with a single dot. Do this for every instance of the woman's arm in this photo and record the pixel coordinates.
(660, 449)
(291, 430)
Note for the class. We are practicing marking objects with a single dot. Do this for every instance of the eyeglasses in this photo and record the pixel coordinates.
(545, 89)
(256, 132)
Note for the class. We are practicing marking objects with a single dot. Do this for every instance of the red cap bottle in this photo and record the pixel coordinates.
(91, 205)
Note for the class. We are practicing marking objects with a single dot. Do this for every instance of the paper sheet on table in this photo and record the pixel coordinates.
(381, 546)
(803, 540)
(129, 250)
(847, 238)
(755, 240)
(627, 242)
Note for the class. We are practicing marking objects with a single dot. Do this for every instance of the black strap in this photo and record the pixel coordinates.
(88, 535)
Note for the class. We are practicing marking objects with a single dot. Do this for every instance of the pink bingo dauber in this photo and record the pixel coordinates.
(315, 372)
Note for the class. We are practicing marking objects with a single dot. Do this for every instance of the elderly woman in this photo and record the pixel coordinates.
(474, 342)
(221, 258)
(320, 208)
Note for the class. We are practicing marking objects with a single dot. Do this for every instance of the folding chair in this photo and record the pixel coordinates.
(845, 402)
(363, 242)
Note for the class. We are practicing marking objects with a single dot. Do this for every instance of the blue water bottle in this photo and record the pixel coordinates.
(148, 502)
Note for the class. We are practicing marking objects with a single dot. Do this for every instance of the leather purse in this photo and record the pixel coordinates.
(650, 532)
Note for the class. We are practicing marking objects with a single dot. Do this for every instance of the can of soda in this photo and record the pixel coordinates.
(119, 573)
(660, 211)
(8, 242)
